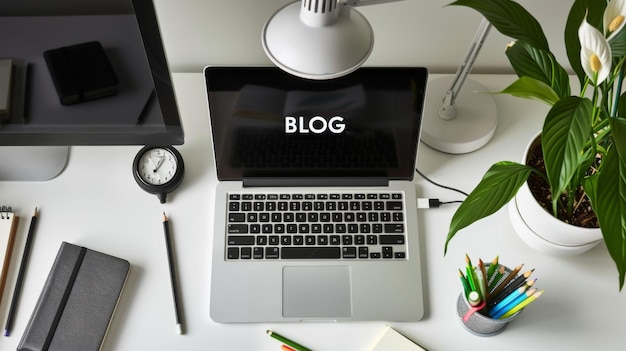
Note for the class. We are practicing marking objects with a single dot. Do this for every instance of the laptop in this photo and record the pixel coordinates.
(315, 209)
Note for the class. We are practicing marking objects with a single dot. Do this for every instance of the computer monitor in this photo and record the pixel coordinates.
(65, 97)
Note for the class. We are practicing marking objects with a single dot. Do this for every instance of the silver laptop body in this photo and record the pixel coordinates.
(261, 272)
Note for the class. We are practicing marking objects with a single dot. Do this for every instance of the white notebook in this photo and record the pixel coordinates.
(391, 340)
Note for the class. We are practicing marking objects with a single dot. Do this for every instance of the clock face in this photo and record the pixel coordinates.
(157, 166)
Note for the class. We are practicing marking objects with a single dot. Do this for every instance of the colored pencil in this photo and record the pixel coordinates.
(492, 268)
(513, 304)
(507, 279)
(471, 273)
(515, 284)
(503, 294)
(484, 286)
(496, 279)
(465, 283)
(287, 348)
(286, 341)
(512, 296)
(523, 304)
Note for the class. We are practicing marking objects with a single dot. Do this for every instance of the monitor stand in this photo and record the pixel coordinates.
(32, 163)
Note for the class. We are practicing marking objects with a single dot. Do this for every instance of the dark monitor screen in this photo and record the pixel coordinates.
(86, 72)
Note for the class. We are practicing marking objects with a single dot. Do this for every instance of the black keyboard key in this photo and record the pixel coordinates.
(348, 252)
(257, 253)
(271, 252)
(261, 240)
(310, 252)
(246, 253)
(387, 252)
(237, 229)
(322, 240)
(233, 253)
(240, 240)
(391, 239)
(298, 240)
(236, 217)
(346, 239)
(394, 205)
(396, 255)
(363, 252)
(394, 228)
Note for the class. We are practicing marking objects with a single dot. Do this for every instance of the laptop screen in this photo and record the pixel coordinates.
(267, 123)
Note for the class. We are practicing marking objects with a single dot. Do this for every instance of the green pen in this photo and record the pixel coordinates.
(286, 341)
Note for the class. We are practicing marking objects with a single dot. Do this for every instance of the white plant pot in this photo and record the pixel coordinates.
(542, 231)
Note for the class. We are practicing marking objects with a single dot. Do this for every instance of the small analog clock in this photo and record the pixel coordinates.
(158, 170)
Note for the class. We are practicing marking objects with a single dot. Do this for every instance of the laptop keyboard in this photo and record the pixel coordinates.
(338, 225)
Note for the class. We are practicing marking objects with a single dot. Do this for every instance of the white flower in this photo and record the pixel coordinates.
(614, 17)
(595, 53)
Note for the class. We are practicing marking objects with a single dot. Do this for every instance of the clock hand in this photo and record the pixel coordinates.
(159, 163)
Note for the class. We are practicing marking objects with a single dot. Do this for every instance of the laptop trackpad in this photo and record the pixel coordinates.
(317, 292)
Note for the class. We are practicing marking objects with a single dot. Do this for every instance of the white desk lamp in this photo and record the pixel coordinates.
(325, 39)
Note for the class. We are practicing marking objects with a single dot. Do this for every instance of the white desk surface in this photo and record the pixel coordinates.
(96, 203)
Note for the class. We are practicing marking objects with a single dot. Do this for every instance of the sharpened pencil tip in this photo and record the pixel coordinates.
(164, 216)
(6, 332)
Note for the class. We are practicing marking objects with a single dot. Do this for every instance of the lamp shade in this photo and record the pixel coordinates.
(317, 43)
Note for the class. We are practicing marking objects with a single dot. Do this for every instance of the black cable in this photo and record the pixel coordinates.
(441, 186)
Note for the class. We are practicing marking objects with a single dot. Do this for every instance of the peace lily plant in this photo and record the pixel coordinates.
(583, 138)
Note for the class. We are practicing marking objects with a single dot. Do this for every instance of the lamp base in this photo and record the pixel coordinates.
(473, 126)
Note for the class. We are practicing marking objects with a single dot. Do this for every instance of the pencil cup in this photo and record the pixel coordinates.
(479, 324)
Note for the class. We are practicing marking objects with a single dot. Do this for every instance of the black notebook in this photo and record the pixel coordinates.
(77, 303)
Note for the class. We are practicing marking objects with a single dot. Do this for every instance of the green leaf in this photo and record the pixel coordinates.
(594, 11)
(618, 44)
(621, 107)
(510, 19)
(618, 128)
(531, 88)
(540, 65)
(566, 129)
(611, 209)
(498, 186)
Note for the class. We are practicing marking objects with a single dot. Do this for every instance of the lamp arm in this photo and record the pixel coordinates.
(447, 110)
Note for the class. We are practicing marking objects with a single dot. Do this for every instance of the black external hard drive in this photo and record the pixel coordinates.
(81, 72)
